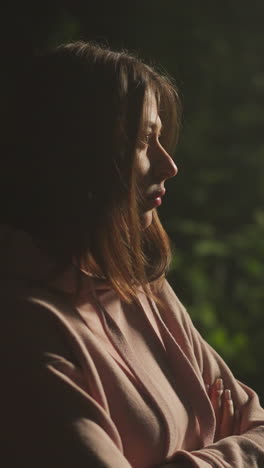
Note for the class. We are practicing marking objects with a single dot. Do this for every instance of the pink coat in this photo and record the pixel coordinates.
(106, 384)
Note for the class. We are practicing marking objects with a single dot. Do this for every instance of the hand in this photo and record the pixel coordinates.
(226, 416)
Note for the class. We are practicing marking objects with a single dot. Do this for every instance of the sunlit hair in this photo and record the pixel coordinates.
(77, 112)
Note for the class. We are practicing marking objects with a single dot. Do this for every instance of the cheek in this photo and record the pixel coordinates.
(143, 164)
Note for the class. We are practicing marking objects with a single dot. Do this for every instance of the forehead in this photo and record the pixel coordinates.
(150, 111)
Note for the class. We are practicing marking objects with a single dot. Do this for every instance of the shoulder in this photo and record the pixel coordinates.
(36, 320)
(21, 303)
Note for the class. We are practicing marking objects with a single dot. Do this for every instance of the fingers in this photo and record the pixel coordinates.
(237, 419)
(216, 392)
(227, 420)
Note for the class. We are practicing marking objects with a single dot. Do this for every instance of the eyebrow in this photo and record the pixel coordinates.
(152, 124)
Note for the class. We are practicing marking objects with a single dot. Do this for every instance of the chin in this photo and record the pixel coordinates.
(146, 219)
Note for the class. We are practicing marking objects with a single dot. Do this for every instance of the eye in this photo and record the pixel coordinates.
(147, 138)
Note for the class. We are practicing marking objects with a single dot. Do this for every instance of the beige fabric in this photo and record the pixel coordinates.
(105, 384)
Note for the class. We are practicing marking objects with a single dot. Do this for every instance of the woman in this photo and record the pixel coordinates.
(102, 366)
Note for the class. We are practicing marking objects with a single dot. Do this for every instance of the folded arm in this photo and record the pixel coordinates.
(243, 444)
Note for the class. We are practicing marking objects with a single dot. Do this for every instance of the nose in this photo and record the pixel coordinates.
(166, 167)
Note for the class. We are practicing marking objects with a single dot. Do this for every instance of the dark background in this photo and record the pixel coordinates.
(214, 210)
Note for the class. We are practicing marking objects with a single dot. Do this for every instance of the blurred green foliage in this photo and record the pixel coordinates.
(214, 211)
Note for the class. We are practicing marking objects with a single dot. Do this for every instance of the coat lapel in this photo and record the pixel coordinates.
(187, 378)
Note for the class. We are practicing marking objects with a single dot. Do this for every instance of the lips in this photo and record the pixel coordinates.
(155, 199)
(157, 194)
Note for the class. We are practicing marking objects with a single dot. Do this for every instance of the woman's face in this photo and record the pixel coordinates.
(154, 164)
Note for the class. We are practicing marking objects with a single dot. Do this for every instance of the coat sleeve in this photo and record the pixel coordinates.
(245, 448)
(50, 417)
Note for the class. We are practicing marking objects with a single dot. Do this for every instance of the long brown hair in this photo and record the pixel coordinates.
(78, 113)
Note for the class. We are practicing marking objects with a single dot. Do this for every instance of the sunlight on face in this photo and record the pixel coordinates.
(154, 164)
